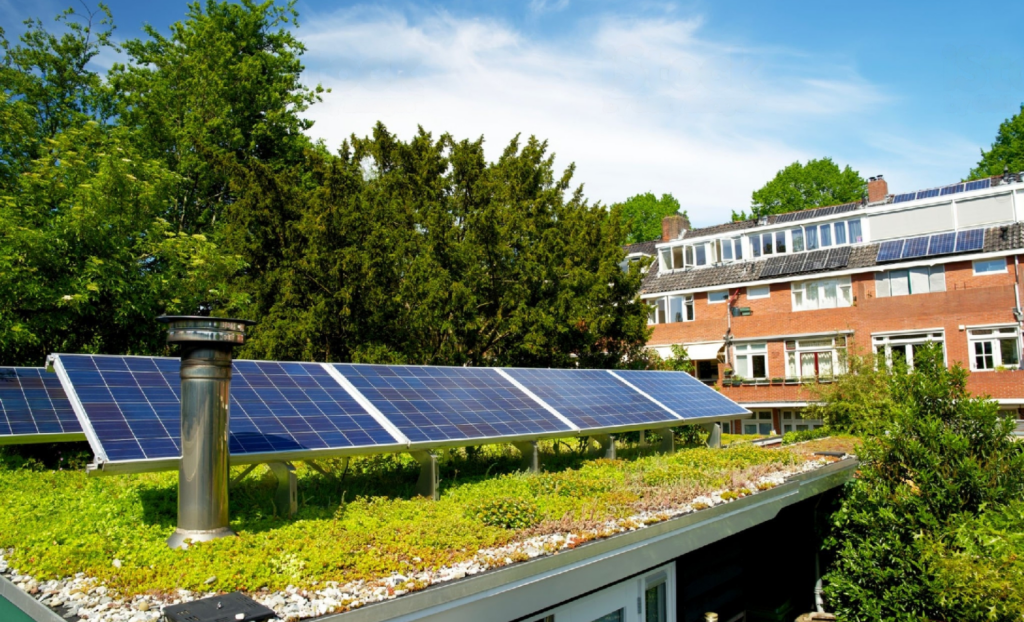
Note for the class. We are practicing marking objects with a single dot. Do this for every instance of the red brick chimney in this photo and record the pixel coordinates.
(672, 226)
(878, 189)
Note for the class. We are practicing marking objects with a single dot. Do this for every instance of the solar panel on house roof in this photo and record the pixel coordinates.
(794, 264)
(907, 196)
(591, 398)
(890, 250)
(450, 403)
(971, 240)
(838, 258)
(787, 217)
(682, 393)
(941, 243)
(846, 207)
(34, 408)
(978, 184)
(816, 260)
(953, 189)
(915, 247)
(773, 267)
(927, 194)
(130, 406)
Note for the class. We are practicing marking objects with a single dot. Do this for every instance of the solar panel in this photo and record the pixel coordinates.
(847, 207)
(794, 264)
(907, 196)
(816, 260)
(927, 194)
(591, 398)
(130, 408)
(773, 267)
(838, 258)
(682, 393)
(436, 404)
(971, 240)
(978, 184)
(890, 251)
(34, 408)
(955, 188)
(941, 243)
(915, 247)
(788, 217)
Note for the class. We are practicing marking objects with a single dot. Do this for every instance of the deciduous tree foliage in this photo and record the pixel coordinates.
(643, 214)
(803, 186)
(1006, 152)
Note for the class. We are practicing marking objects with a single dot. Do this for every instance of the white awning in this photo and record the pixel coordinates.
(704, 351)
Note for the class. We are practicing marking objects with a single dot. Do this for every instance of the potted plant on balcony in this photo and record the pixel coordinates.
(776, 381)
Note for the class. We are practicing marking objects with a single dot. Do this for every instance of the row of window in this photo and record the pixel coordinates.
(988, 349)
(760, 422)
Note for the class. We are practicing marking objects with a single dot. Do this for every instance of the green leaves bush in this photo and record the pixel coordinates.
(507, 513)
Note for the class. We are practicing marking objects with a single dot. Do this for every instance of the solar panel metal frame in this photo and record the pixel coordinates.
(890, 250)
(103, 465)
(915, 247)
(71, 429)
(942, 243)
(970, 240)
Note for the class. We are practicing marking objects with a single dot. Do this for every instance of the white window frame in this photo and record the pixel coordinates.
(766, 289)
(748, 351)
(800, 293)
(716, 293)
(882, 343)
(994, 336)
(989, 262)
(935, 276)
(792, 421)
(797, 349)
(626, 596)
(759, 422)
(666, 302)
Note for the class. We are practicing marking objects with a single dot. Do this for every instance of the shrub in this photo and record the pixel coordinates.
(856, 401)
(940, 459)
(805, 435)
(507, 512)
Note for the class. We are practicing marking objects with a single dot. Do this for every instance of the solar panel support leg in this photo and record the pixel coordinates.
(607, 442)
(714, 435)
(286, 499)
(668, 441)
(427, 485)
(643, 439)
(531, 455)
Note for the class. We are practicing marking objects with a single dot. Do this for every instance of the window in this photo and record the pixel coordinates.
(702, 255)
(840, 233)
(920, 280)
(755, 245)
(793, 421)
(762, 291)
(822, 294)
(726, 250)
(990, 266)
(656, 598)
(720, 296)
(798, 240)
(752, 360)
(669, 309)
(760, 422)
(855, 234)
(826, 235)
(737, 245)
(991, 348)
(766, 243)
(811, 237)
(677, 257)
(689, 256)
(899, 348)
(809, 359)
(780, 241)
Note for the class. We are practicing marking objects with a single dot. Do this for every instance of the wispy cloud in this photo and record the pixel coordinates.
(637, 104)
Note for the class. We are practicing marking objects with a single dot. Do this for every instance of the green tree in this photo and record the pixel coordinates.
(1007, 151)
(643, 214)
(803, 186)
(857, 401)
(942, 458)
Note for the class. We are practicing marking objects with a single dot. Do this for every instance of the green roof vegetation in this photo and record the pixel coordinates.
(358, 522)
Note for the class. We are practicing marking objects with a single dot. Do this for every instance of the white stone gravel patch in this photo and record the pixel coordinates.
(87, 599)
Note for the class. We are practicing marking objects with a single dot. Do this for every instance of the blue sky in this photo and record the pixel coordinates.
(704, 100)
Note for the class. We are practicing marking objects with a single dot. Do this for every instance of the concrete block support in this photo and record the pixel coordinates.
(714, 434)
(668, 441)
(427, 484)
(607, 443)
(286, 499)
(531, 455)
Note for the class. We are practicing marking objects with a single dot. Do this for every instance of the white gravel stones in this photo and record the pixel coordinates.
(82, 596)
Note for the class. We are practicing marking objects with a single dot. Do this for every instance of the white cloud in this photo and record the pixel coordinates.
(637, 104)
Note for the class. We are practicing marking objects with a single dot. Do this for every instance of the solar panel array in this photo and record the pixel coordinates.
(928, 246)
(954, 189)
(906, 196)
(680, 394)
(978, 184)
(773, 266)
(827, 259)
(130, 406)
(33, 404)
(831, 210)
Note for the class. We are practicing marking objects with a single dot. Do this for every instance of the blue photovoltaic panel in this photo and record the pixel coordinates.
(681, 392)
(971, 240)
(591, 398)
(955, 188)
(450, 403)
(133, 406)
(890, 251)
(907, 196)
(942, 243)
(979, 184)
(915, 247)
(927, 194)
(32, 403)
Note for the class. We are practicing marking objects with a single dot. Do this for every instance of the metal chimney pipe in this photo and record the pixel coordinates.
(206, 345)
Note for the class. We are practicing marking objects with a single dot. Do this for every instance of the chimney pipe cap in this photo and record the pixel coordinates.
(879, 177)
(199, 329)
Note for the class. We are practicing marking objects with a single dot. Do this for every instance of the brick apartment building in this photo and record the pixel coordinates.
(766, 307)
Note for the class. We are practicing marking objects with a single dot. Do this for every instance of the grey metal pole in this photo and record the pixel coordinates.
(206, 345)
